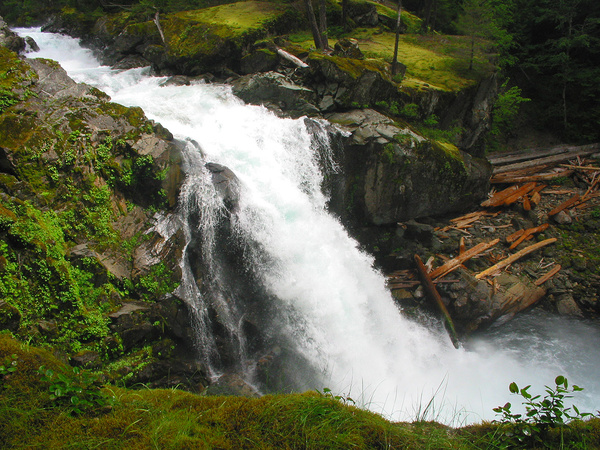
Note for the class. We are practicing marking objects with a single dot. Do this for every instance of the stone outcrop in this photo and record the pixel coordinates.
(9, 39)
(391, 174)
(81, 179)
(277, 92)
(350, 83)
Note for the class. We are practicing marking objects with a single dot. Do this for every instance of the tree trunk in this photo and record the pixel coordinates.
(472, 52)
(313, 24)
(345, 15)
(323, 24)
(398, 25)
(426, 14)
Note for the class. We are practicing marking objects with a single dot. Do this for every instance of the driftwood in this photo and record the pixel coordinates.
(160, 31)
(527, 233)
(297, 61)
(512, 258)
(508, 195)
(548, 275)
(514, 236)
(520, 193)
(455, 263)
(434, 296)
(564, 205)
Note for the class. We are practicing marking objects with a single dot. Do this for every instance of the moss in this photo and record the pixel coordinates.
(432, 61)
(220, 29)
(353, 68)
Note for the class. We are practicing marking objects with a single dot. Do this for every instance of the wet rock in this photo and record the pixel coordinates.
(10, 317)
(475, 304)
(48, 328)
(232, 384)
(87, 359)
(566, 305)
(9, 39)
(562, 218)
(351, 82)
(226, 184)
(162, 374)
(276, 90)
(419, 231)
(260, 60)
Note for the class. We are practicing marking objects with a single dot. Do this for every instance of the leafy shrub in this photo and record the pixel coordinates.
(77, 392)
(541, 414)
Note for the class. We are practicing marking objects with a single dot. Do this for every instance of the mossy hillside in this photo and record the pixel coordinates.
(432, 61)
(349, 68)
(70, 174)
(122, 418)
(15, 78)
(209, 31)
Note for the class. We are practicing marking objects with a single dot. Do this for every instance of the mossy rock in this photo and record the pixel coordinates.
(357, 83)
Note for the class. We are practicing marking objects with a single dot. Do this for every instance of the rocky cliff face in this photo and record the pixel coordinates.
(81, 182)
(392, 174)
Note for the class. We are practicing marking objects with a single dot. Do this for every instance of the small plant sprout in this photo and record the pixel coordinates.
(541, 414)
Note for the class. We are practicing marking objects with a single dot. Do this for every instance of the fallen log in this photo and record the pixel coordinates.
(532, 154)
(455, 263)
(548, 275)
(434, 296)
(293, 59)
(527, 178)
(571, 152)
(512, 258)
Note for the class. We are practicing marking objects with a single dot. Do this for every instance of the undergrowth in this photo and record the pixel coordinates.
(37, 409)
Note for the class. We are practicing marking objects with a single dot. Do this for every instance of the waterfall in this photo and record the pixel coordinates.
(284, 276)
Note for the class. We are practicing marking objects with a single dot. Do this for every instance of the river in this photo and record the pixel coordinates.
(325, 295)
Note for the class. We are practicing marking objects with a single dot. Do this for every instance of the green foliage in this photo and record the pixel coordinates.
(8, 366)
(541, 414)
(344, 399)
(504, 114)
(77, 392)
(410, 111)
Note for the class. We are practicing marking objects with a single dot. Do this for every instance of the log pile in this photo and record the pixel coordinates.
(528, 176)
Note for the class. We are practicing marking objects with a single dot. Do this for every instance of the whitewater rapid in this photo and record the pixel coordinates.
(347, 323)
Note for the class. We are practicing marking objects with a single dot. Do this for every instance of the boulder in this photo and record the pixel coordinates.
(347, 48)
(10, 317)
(351, 82)
(476, 304)
(392, 174)
(277, 91)
(260, 60)
(226, 183)
(10, 39)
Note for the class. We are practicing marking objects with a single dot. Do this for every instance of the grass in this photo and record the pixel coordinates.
(174, 419)
(241, 16)
(439, 62)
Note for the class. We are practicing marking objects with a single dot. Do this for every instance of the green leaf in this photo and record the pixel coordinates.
(513, 388)
(560, 380)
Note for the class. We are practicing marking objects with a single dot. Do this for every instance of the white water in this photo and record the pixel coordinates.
(346, 322)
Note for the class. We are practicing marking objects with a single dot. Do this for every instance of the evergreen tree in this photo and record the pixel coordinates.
(477, 22)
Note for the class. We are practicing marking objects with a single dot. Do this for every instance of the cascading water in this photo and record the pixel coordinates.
(317, 295)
